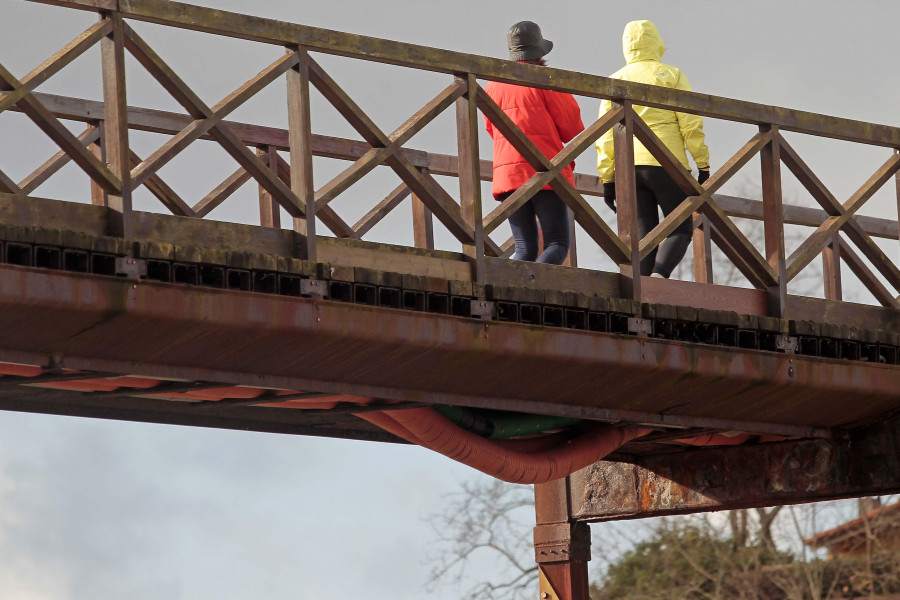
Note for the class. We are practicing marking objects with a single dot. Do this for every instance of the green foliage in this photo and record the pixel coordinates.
(685, 562)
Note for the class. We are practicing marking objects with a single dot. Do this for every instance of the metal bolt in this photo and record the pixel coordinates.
(545, 595)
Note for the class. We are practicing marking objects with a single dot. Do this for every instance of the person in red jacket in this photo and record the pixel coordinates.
(549, 119)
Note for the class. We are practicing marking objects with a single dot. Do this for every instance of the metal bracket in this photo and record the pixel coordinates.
(132, 268)
(313, 287)
(640, 327)
(482, 309)
(787, 344)
(562, 542)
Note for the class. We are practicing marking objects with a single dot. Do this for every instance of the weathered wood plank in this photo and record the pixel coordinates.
(626, 204)
(469, 181)
(400, 136)
(198, 127)
(57, 62)
(57, 132)
(702, 244)
(163, 192)
(381, 210)
(867, 277)
(115, 127)
(831, 269)
(229, 141)
(280, 33)
(157, 121)
(810, 248)
(708, 296)
(221, 192)
(852, 227)
(331, 219)
(423, 224)
(773, 222)
(302, 180)
(56, 162)
(697, 194)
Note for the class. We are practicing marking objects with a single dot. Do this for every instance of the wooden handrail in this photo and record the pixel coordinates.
(271, 31)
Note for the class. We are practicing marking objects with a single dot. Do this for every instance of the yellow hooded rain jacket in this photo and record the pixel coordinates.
(643, 48)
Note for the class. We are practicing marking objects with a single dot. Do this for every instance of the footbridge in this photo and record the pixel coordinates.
(617, 396)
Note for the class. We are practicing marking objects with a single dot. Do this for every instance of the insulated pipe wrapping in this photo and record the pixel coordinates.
(425, 427)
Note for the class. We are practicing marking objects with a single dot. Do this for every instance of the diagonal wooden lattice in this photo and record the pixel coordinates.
(208, 120)
(842, 219)
(386, 149)
(21, 93)
(549, 171)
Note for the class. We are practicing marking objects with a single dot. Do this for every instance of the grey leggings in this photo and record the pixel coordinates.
(655, 190)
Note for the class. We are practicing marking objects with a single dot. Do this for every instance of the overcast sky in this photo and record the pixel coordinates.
(92, 509)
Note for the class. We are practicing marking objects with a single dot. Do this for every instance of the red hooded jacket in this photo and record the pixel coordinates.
(548, 118)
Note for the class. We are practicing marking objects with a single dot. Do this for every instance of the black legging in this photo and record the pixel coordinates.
(655, 190)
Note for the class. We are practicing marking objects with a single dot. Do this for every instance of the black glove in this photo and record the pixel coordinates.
(609, 195)
(702, 175)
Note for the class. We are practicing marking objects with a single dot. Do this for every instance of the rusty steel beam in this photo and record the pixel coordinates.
(319, 423)
(865, 462)
(305, 344)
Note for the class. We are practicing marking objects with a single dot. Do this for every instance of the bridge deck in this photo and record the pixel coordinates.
(395, 324)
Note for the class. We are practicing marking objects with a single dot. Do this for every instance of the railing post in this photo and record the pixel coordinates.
(897, 187)
(98, 194)
(115, 124)
(423, 224)
(702, 243)
(562, 545)
(626, 201)
(300, 140)
(269, 210)
(831, 269)
(773, 222)
(572, 257)
(470, 173)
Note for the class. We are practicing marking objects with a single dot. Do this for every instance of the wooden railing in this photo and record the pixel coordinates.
(104, 153)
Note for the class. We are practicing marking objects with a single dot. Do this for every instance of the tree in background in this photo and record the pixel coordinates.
(488, 523)
(484, 536)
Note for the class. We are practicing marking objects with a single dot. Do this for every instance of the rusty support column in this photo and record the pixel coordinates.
(562, 545)
(773, 221)
(300, 141)
(469, 173)
(269, 210)
(831, 269)
(702, 243)
(115, 131)
(626, 202)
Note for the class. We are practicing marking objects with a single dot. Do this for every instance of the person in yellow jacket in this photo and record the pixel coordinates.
(643, 48)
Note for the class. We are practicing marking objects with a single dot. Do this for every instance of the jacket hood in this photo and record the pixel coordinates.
(641, 41)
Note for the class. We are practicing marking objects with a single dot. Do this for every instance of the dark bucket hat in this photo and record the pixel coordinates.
(526, 42)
